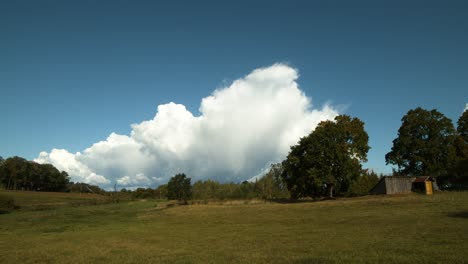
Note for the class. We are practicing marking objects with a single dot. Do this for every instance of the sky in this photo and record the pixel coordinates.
(132, 92)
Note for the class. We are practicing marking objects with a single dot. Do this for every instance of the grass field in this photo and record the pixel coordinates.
(374, 229)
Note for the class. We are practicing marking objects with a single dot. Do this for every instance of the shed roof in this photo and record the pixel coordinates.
(423, 179)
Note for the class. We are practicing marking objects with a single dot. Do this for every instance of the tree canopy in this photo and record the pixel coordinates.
(462, 127)
(17, 173)
(425, 144)
(328, 159)
(179, 188)
(457, 176)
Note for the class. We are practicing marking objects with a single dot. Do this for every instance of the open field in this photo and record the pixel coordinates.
(380, 229)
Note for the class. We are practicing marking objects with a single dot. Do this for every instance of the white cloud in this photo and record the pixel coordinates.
(139, 180)
(66, 161)
(241, 130)
(466, 107)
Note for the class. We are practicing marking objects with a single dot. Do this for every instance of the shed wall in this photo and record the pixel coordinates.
(379, 188)
(398, 184)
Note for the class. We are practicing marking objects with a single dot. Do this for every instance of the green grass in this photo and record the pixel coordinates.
(379, 229)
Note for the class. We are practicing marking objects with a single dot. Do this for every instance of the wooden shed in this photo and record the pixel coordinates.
(424, 184)
(404, 184)
(393, 185)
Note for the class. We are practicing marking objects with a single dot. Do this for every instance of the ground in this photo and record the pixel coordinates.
(373, 229)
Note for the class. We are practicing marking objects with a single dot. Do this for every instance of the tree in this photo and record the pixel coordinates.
(179, 188)
(161, 191)
(17, 173)
(462, 127)
(461, 141)
(457, 176)
(425, 144)
(271, 185)
(363, 184)
(203, 190)
(328, 159)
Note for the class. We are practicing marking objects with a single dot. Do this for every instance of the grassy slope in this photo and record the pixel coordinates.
(401, 229)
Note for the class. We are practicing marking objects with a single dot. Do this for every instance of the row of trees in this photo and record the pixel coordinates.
(326, 162)
(329, 160)
(429, 144)
(270, 186)
(17, 173)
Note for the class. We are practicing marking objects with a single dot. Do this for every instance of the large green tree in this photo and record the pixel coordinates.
(457, 177)
(17, 173)
(462, 127)
(425, 144)
(328, 159)
(179, 188)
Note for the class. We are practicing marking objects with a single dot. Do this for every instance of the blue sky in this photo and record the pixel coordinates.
(73, 72)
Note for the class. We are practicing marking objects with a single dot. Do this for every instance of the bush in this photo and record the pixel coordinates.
(363, 184)
(7, 204)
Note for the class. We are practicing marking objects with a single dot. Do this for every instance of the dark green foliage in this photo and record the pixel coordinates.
(462, 127)
(270, 186)
(161, 192)
(328, 159)
(179, 188)
(461, 142)
(19, 174)
(209, 189)
(144, 193)
(363, 184)
(425, 144)
(457, 176)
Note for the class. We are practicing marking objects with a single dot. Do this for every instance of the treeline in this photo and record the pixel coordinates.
(428, 144)
(327, 162)
(17, 173)
(269, 187)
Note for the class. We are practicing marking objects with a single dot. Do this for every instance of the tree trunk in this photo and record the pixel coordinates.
(331, 191)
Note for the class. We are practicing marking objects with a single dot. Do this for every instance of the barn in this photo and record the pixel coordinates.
(404, 184)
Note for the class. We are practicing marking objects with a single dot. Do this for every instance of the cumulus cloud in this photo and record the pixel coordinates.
(138, 180)
(242, 129)
(66, 161)
(466, 107)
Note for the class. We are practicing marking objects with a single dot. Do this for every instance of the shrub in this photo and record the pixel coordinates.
(363, 184)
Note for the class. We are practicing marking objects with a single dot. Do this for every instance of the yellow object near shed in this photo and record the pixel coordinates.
(423, 184)
(429, 188)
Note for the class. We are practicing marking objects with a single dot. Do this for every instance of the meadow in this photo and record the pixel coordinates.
(73, 228)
